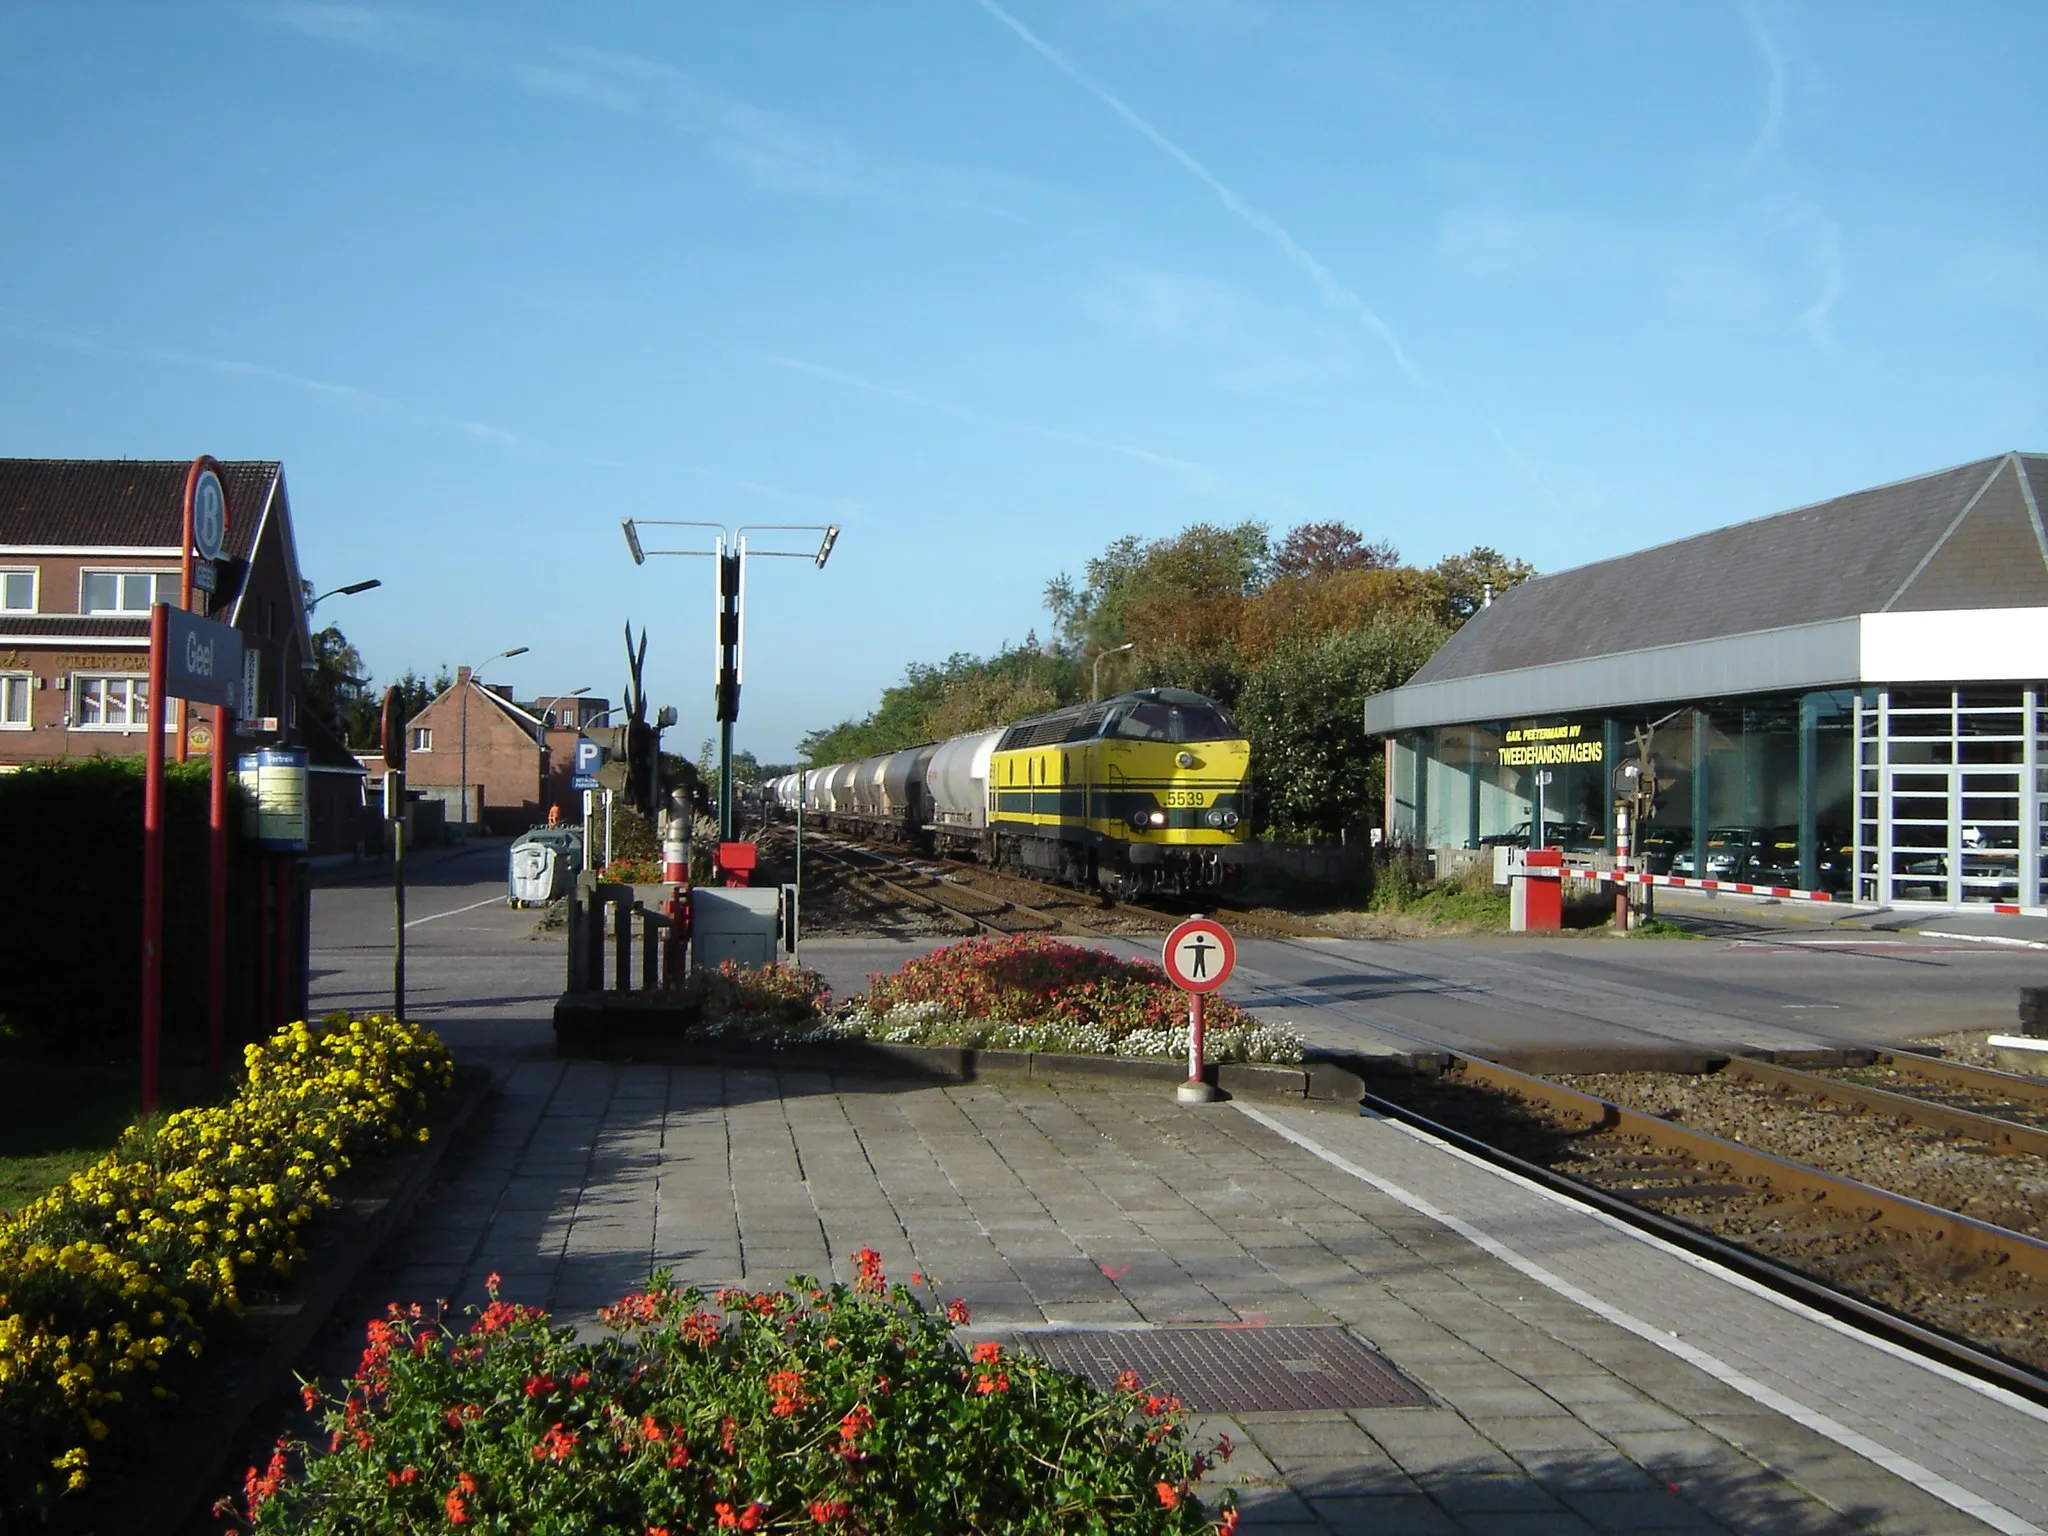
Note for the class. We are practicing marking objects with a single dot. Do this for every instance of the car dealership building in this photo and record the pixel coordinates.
(1851, 696)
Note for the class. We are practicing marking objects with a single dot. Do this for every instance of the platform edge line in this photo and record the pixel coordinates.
(1927, 1480)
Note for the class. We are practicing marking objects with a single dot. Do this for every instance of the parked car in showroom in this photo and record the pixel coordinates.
(1731, 853)
(1573, 836)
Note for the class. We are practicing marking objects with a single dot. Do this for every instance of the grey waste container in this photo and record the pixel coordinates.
(544, 864)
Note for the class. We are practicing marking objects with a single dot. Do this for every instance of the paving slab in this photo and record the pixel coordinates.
(1580, 1378)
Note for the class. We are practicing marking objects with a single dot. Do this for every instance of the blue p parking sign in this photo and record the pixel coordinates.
(589, 758)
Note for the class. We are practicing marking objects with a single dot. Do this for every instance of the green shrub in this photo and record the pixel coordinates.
(71, 905)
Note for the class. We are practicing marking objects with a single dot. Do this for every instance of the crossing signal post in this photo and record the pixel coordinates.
(729, 556)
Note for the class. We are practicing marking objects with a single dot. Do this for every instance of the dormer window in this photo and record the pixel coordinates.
(125, 591)
(18, 591)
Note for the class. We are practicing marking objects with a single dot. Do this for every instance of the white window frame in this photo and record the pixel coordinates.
(138, 687)
(34, 573)
(420, 739)
(156, 589)
(22, 686)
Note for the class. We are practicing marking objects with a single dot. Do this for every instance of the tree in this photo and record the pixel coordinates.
(1303, 711)
(1323, 549)
(338, 689)
(1459, 583)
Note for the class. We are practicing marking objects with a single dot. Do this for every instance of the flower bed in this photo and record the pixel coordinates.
(841, 1409)
(110, 1284)
(1014, 994)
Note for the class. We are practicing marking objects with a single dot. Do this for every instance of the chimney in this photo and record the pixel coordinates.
(461, 676)
(1486, 600)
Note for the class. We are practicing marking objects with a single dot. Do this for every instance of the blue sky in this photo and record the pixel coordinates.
(991, 284)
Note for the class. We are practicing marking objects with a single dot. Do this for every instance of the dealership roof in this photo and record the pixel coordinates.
(1780, 602)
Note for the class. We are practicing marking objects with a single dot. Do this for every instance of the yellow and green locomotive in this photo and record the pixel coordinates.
(1144, 792)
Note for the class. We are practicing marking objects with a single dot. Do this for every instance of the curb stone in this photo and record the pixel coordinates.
(605, 1027)
(184, 1460)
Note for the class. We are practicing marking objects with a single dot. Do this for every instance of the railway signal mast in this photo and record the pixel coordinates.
(729, 553)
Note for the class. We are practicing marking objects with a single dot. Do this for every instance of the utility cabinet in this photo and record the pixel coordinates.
(752, 925)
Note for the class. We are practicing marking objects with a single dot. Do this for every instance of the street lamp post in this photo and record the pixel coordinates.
(348, 591)
(730, 552)
(553, 699)
(469, 683)
(1095, 678)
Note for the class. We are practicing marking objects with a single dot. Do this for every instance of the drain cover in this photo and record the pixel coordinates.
(1234, 1370)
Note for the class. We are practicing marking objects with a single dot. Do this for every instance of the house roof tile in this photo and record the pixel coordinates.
(111, 503)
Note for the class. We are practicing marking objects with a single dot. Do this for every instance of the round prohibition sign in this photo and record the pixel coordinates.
(1200, 955)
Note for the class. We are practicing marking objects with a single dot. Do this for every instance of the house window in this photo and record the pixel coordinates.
(126, 591)
(16, 688)
(111, 702)
(18, 591)
(422, 738)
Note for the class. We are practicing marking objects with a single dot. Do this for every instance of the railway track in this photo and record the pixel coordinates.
(1941, 1281)
(914, 880)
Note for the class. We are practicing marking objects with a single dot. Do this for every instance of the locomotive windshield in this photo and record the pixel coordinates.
(1171, 722)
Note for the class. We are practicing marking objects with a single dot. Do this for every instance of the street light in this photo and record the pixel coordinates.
(548, 716)
(1095, 678)
(348, 591)
(730, 550)
(469, 683)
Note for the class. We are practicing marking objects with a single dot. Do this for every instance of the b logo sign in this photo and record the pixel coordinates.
(209, 515)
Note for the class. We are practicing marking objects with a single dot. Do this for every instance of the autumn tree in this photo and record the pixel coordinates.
(1323, 549)
(1460, 583)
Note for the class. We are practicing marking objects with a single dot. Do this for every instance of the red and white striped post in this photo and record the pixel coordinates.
(1621, 853)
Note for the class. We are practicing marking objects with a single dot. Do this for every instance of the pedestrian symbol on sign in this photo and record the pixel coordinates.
(1198, 946)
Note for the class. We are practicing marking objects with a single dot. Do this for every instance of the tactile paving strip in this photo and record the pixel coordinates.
(1234, 1370)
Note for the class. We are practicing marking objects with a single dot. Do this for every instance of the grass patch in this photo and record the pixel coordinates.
(1466, 901)
(58, 1116)
(1658, 928)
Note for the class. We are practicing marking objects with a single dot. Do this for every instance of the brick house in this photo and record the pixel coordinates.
(86, 546)
(521, 756)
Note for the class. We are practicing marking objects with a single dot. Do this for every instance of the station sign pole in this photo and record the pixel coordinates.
(391, 742)
(199, 661)
(1199, 956)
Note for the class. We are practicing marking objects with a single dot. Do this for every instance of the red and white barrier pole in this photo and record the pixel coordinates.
(1621, 852)
(1195, 1037)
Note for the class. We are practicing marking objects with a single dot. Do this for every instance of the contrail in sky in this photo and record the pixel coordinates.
(1198, 478)
(1334, 293)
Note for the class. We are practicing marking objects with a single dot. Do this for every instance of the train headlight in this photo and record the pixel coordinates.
(1156, 818)
(1230, 818)
(1140, 820)
(1214, 818)
(1185, 759)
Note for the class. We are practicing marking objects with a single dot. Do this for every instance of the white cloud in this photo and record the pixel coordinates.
(350, 26)
(1773, 122)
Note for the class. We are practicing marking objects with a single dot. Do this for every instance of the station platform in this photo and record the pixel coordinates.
(1575, 1376)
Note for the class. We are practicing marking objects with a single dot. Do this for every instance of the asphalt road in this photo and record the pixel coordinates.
(483, 974)
(478, 971)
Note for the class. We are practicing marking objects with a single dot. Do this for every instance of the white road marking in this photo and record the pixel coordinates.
(1950, 1493)
(1987, 938)
(455, 911)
